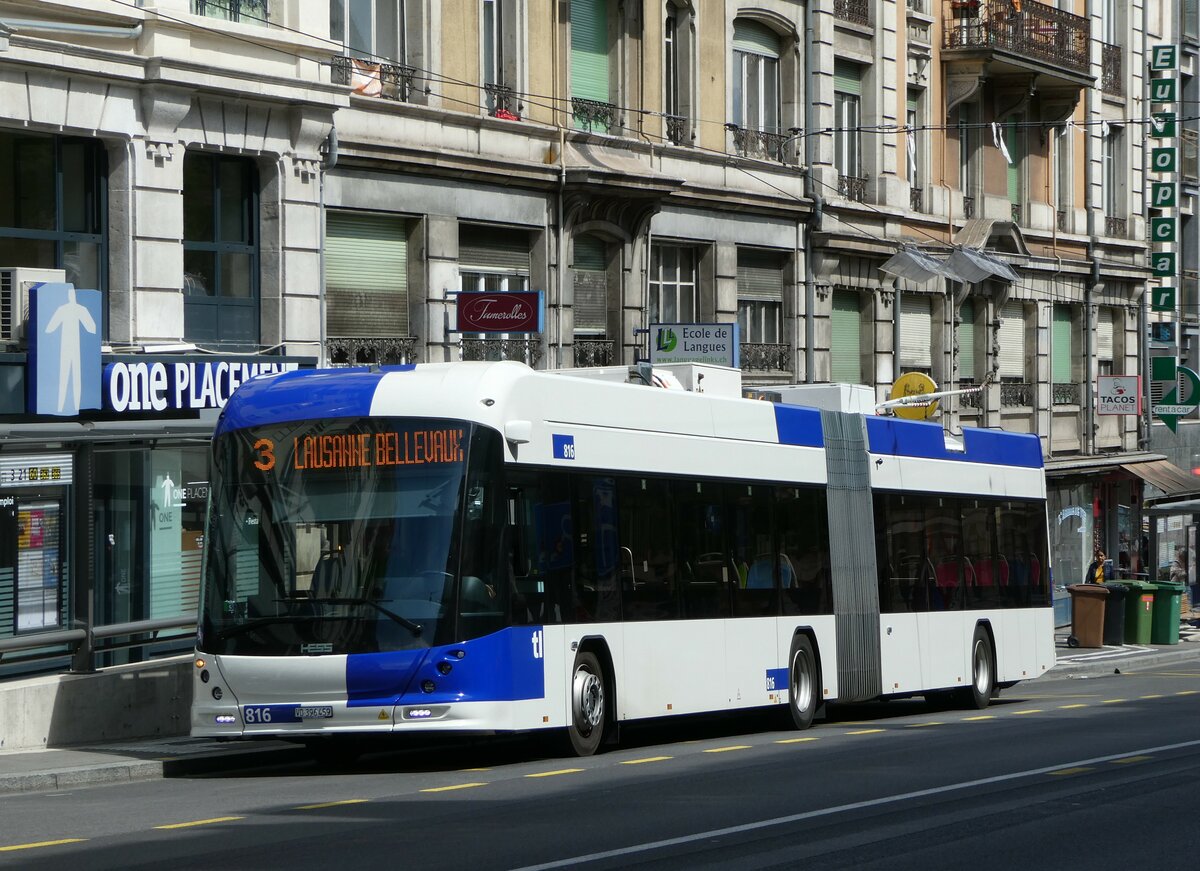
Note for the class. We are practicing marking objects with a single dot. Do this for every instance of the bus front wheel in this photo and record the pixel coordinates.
(588, 713)
(802, 682)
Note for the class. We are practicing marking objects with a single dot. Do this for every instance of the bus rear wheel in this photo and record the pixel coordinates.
(978, 695)
(802, 682)
(588, 711)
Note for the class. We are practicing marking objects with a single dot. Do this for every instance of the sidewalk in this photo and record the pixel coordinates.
(67, 768)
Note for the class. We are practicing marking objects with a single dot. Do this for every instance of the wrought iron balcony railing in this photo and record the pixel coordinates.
(970, 400)
(853, 187)
(1112, 78)
(1015, 394)
(854, 11)
(360, 351)
(1017, 211)
(250, 11)
(387, 81)
(916, 5)
(527, 351)
(593, 115)
(1060, 220)
(1118, 228)
(968, 207)
(502, 102)
(766, 356)
(1029, 30)
(759, 144)
(914, 199)
(678, 129)
(595, 352)
(1064, 393)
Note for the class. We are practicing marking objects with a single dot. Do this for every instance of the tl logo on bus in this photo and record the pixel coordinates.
(539, 646)
(666, 340)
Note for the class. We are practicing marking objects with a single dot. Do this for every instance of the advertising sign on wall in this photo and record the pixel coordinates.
(714, 344)
(507, 312)
(1118, 394)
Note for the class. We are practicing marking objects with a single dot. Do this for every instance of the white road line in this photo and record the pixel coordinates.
(853, 806)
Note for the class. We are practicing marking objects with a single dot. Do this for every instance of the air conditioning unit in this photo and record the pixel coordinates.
(15, 282)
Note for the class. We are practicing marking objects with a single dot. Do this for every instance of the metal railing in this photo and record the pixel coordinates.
(1015, 394)
(853, 187)
(968, 207)
(854, 11)
(1117, 228)
(916, 5)
(591, 115)
(254, 11)
(528, 351)
(678, 132)
(766, 356)
(595, 352)
(914, 200)
(1017, 211)
(395, 80)
(366, 350)
(1064, 393)
(1060, 220)
(1112, 78)
(84, 642)
(970, 400)
(759, 144)
(1035, 31)
(502, 101)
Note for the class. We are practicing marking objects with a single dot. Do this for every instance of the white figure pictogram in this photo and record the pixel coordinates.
(69, 319)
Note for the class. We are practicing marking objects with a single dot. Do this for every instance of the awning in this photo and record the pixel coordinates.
(1166, 476)
(915, 265)
(975, 266)
(1089, 463)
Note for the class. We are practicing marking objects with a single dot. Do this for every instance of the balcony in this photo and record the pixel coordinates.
(1064, 393)
(1018, 210)
(502, 102)
(678, 129)
(970, 400)
(915, 200)
(766, 357)
(363, 351)
(1060, 220)
(528, 351)
(595, 352)
(854, 11)
(853, 187)
(594, 115)
(1117, 228)
(758, 144)
(246, 11)
(968, 207)
(1112, 78)
(387, 81)
(1015, 394)
(1036, 39)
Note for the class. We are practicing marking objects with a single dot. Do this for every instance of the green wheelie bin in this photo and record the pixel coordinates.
(1165, 622)
(1139, 611)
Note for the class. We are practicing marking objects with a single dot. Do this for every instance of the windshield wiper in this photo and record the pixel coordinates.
(415, 628)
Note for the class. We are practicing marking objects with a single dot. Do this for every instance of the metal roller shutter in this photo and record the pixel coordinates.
(967, 367)
(759, 276)
(1104, 334)
(916, 331)
(845, 350)
(366, 275)
(1062, 350)
(1012, 341)
(495, 248)
(589, 268)
(589, 50)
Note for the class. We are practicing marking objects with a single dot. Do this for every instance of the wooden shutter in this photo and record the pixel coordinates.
(847, 77)
(589, 50)
(755, 37)
(759, 276)
(845, 350)
(1061, 353)
(366, 275)
(590, 272)
(916, 331)
(1104, 334)
(497, 248)
(967, 367)
(1012, 341)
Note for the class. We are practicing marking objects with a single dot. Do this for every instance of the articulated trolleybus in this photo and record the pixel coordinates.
(482, 548)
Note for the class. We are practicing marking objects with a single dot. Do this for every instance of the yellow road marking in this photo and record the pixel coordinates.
(1068, 707)
(923, 725)
(1028, 711)
(313, 807)
(474, 769)
(41, 844)
(864, 732)
(647, 759)
(726, 749)
(199, 823)
(1113, 701)
(795, 740)
(1077, 770)
(1187, 692)
(552, 773)
(1151, 696)
(980, 717)
(456, 786)
(1128, 759)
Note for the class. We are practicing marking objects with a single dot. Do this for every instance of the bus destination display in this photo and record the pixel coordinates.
(365, 450)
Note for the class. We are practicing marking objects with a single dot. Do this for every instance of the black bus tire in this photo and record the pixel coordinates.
(802, 682)
(589, 705)
(978, 694)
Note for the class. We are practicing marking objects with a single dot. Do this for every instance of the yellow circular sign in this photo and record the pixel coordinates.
(914, 384)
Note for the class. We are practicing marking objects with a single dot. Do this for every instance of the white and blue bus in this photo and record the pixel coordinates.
(482, 548)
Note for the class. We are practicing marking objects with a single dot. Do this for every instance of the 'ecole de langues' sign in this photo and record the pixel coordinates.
(507, 312)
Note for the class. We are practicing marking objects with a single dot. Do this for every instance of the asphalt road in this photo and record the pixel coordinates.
(1090, 774)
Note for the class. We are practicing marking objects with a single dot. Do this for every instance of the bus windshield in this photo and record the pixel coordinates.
(344, 536)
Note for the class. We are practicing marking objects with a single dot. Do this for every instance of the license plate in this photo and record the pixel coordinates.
(254, 715)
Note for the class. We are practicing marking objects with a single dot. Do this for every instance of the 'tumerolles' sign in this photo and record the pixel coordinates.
(511, 312)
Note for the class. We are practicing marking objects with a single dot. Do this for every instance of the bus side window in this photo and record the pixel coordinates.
(542, 547)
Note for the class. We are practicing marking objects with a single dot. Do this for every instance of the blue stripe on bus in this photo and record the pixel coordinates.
(799, 426)
(505, 666)
(911, 438)
(305, 394)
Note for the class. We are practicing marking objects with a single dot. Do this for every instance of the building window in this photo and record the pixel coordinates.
(245, 11)
(592, 103)
(493, 260)
(500, 58)
(589, 268)
(1104, 341)
(914, 145)
(845, 346)
(1014, 140)
(916, 333)
(760, 296)
(678, 59)
(220, 249)
(968, 142)
(1114, 204)
(755, 76)
(369, 29)
(1062, 356)
(366, 275)
(847, 143)
(673, 288)
(54, 215)
(1012, 343)
(969, 370)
